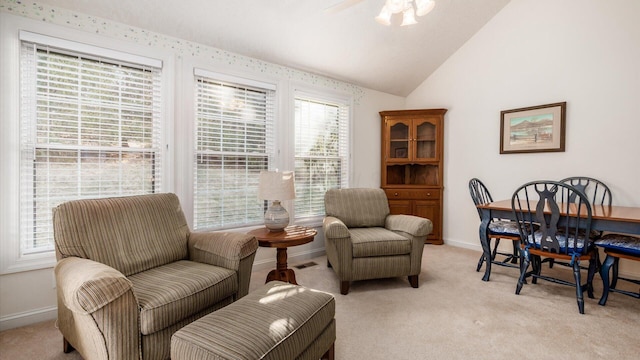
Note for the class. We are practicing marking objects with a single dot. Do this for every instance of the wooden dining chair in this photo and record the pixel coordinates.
(617, 246)
(596, 191)
(498, 229)
(598, 194)
(552, 226)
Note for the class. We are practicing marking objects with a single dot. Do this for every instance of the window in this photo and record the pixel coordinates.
(321, 152)
(90, 127)
(234, 142)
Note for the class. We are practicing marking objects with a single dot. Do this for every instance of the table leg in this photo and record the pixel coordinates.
(282, 273)
(604, 274)
(484, 241)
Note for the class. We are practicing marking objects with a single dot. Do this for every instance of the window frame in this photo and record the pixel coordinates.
(328, 96)
(271, 153)
(11, 258)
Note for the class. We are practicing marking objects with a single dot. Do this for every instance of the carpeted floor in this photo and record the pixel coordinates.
(453, 315)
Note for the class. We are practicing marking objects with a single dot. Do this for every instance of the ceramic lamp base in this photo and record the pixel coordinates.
(276, 218)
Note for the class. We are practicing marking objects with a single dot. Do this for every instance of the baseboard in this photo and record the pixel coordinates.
(464, 244)
(28, 318)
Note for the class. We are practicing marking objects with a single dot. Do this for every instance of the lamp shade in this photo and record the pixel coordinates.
(275, 185)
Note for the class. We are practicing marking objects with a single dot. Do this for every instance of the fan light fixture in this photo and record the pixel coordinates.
(408, 8)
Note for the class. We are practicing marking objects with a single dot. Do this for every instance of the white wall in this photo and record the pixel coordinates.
(29, 296)
(534, 52)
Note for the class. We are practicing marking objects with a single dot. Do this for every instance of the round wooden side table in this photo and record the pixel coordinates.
(291, 236)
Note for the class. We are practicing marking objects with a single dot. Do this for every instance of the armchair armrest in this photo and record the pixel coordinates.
(338, 246)
(224, 249)
(86, 285)
(412, 225)
(334, 228)
(234, 251)
(96, 302)
(416, 229)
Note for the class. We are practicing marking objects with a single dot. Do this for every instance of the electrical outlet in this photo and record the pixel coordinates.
(53, 278)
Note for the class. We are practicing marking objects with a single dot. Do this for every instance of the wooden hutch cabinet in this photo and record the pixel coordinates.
(412, 164)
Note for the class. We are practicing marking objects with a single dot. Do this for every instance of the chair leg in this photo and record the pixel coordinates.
(524, 266)
(604, 274)
(330, 354)
(495, 249)
(614, 279)
(536, 264)
(494, 252)
(413, 280)
(593, 264)
(579, 295)
(516, 252)
(344, 287)
(480, 261)
(66, 346)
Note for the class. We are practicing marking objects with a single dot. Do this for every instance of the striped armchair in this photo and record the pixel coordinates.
(363, 241)
(130, 273)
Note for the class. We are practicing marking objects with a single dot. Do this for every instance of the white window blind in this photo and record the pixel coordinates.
(321, 152)
(234, 142)
(90, 128)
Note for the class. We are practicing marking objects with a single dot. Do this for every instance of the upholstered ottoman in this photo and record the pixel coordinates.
(277, 321)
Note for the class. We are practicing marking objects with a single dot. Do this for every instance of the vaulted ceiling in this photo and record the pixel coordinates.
(347, 45)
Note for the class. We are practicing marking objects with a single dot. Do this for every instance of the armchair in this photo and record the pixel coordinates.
(130, 273)
(364, 241)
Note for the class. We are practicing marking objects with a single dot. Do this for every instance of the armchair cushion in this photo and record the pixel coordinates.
(109, 231)
(357, 207)
(377, 241)
(173, 292)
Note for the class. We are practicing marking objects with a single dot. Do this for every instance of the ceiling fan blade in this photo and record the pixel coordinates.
(334, 9)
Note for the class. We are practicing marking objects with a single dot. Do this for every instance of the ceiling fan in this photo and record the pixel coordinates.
(408, 8)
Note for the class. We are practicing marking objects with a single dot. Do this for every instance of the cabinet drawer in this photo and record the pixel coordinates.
(417, 194)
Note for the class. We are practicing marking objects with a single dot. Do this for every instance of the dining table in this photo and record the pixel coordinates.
(618, 219)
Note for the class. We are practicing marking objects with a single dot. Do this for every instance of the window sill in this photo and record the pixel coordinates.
(29, 263)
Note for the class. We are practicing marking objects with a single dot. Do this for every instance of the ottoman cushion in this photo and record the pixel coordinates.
(277, 321)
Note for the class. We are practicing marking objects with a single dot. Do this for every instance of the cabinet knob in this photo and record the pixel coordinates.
(428, 194)
(395, 194)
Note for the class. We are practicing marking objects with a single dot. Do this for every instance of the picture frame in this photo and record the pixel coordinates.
(533, 129)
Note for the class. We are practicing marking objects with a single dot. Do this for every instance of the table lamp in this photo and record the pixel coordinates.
(276, 186)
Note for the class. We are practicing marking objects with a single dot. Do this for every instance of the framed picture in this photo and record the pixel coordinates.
(533, 129)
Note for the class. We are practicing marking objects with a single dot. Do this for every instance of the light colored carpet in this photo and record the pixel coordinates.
(453, 315)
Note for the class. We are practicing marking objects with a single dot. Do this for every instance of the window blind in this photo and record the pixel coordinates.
(321, 152)
(90, 128)
(234, 142)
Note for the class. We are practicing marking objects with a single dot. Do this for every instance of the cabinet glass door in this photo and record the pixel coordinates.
(398, 141)
(426, 141)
